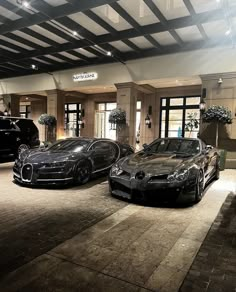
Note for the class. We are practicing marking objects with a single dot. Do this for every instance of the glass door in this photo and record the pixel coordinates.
(72, 116)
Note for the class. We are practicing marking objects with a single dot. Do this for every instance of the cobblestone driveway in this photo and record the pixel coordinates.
(85, 240)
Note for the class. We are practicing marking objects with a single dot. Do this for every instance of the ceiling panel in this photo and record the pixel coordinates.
(121, 46)
(8, 49)
(215, 28)
(41, 61)
(48, 34)
(55, 2)
(20, 45)
(55, 58)
(85, 53)
(8, 14)
(139, 11)
(172, 9)
(88, 23)
(30, 38)
(164, 38)
(190, 33)
(205, 5)
(142, 43)
(68, 55)
(108, 14)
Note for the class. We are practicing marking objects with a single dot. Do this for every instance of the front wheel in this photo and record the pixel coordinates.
(217, 172)
(83, 172)
(199, 187)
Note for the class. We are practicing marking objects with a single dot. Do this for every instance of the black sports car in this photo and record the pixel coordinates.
(67, 161)
(167, 169)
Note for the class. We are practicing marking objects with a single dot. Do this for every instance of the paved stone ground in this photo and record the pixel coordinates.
(81, 239)
(214, 268)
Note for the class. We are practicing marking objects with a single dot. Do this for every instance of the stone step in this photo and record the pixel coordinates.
(230, 160)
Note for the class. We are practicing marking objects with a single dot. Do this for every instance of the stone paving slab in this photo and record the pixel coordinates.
(135, 248)
(214, 268)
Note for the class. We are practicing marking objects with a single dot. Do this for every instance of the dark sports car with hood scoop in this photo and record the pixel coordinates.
(72, 160)
(168, 169)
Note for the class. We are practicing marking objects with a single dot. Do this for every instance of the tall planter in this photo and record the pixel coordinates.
(117, 119)
(49, 122)
(217, 114)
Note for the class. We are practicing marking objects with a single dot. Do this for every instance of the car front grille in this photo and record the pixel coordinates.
(158, 178)
(27, 171)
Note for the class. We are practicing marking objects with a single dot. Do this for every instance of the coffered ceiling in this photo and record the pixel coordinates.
(41, 36)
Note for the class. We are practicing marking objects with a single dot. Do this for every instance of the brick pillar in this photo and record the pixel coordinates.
(56, 107)
(126, 100)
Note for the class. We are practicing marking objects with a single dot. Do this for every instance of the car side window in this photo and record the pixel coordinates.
(7, 125)
(100, 145)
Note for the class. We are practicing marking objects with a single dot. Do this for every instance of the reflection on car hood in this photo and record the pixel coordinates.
(48, 156)
(153, 163)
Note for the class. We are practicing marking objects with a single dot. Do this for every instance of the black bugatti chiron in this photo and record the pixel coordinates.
(71, 160)
(167, 169)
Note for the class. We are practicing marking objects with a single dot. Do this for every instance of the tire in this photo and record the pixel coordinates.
(217, 172)
(199, 187)
(21, 148)
(83, 172)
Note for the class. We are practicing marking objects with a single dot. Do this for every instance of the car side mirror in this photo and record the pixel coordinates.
(209, 147)
(146, 147)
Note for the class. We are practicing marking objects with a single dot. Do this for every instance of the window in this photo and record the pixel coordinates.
(25, 111)
(174, 116)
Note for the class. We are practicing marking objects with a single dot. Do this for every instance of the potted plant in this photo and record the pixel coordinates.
(217, 114)
(117, 118)
(192, 123)
(50, 124)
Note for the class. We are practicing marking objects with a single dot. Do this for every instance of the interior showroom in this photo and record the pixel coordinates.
(118, 145)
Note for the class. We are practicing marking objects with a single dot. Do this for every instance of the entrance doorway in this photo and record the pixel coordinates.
(72, 116)
(102, 125)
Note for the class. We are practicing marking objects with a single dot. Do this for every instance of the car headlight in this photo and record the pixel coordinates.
(180, 175)
(116, 170)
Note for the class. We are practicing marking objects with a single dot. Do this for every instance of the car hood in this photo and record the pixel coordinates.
(153, 163)
(48, 156)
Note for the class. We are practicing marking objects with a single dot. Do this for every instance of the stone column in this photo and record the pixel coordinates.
(11, 103)
(39, 107)
(88, 106)
(56, 107)
(126, 100)
(220, 93)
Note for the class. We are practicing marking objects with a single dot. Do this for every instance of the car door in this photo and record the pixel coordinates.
(103, 154)
(209, 160)
(8, 136)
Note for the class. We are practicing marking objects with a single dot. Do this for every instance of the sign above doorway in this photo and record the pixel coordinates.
(86, 76)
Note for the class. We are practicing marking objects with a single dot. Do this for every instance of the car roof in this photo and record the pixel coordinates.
(89, 139)
(14, 118)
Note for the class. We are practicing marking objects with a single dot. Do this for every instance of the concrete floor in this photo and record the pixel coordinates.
(81, 239)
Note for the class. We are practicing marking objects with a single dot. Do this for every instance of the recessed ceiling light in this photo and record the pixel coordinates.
(25, 4)
(75, 33)
(228, 32)
(218, 1)
(34, 67)
(108, 53)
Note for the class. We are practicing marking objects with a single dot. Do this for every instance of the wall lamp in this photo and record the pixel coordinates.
(5, 112)
(80, 122)
(202, 104)
(148, 121)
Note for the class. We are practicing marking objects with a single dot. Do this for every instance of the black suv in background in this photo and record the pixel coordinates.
(17, 134)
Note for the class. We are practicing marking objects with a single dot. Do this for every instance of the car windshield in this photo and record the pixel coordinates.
(177, 146)
(69, 145)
